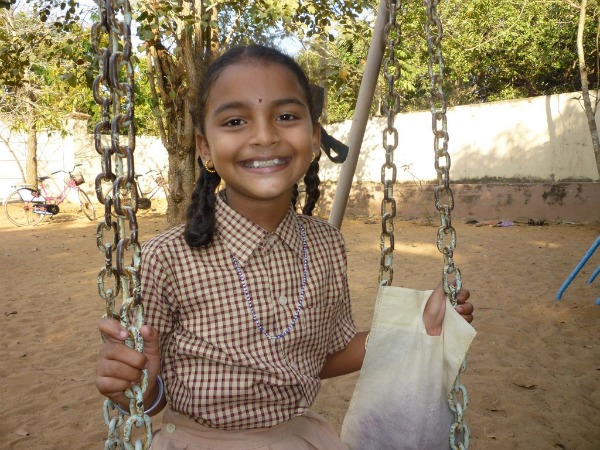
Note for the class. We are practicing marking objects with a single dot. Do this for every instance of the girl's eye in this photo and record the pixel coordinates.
(234, 123)
(287, 117)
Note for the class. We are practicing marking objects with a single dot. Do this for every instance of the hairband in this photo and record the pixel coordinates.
(335, 150)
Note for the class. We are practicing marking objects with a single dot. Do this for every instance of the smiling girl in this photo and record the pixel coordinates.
(247, 304)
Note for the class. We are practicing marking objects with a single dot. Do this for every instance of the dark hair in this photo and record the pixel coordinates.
(200, 223)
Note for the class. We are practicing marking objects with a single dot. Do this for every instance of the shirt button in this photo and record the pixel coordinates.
(304, 403)
(170, 427)
(282, 300)
(272, 239)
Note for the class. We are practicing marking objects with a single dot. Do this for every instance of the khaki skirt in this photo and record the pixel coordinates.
(311, 431)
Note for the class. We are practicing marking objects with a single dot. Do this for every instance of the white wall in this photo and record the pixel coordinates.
(56, 153)
(540, 138)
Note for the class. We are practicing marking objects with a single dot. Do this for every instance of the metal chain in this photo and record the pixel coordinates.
(458, 399)
(116, 189)
(391, 73)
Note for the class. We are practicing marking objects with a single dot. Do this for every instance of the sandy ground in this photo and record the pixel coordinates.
(534, 368)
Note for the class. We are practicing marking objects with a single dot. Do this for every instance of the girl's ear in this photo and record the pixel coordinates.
(202, 149)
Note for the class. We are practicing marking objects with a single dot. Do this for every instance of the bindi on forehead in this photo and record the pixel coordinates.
(260, 100)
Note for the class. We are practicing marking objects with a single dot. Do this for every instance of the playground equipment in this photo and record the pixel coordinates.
(118, 239)
(578, 268)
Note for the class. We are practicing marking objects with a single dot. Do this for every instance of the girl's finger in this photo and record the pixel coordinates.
(120, 353)
(112, 387)
(463, 295)
(465, 308)
(151, 344)
(112, 330)
(467, 317)
(110, 368)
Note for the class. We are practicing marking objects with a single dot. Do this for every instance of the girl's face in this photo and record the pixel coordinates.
(258, 132)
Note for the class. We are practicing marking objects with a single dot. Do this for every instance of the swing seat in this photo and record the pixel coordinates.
(400, 399)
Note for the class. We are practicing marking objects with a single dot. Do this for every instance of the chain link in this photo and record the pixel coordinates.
(391, 105)
(458, 399)
(116, 189)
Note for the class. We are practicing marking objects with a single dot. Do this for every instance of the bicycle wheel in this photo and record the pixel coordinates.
(86, 205)
(18, 207)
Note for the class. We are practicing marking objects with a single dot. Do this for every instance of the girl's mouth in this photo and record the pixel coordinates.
(263, 164)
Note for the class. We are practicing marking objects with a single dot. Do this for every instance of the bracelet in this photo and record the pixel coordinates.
(367, 341)
(161, 392)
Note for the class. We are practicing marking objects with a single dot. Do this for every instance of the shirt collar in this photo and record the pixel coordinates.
(241, 236)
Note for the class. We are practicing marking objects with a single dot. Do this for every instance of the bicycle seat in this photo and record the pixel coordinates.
(42, 178)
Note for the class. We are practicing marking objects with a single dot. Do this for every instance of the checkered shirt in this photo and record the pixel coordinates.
(219, 368)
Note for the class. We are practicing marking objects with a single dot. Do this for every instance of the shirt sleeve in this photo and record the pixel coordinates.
(345, 329)
(156, 291)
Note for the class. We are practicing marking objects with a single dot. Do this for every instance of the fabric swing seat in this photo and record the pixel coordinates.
(400, 399)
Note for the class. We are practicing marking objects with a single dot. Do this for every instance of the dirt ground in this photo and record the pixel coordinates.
(534, 367)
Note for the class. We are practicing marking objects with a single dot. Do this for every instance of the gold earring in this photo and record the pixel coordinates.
(313, 158)
(208, 169)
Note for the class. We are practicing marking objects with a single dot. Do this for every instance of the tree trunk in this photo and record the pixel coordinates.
(169, 79)
(173, 81)
(585, 92)
(31, 168)
(181, 183)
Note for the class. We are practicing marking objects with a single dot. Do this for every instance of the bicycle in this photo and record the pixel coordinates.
(146, 190)
(159, 182)
(29, 205)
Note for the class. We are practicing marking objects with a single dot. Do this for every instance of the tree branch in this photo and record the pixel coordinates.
(151, 55)
(234, 27)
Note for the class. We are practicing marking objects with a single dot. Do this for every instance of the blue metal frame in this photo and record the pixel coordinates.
(579, 266)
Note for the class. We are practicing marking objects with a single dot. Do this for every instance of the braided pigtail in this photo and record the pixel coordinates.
(312, 181)
(200, 225)
(295, 195)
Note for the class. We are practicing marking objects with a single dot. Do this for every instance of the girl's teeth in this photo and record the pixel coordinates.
(262, 164)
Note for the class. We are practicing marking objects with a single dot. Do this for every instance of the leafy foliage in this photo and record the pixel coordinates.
(507, 49)
(339, 65)
(493, 50)
(36, 62)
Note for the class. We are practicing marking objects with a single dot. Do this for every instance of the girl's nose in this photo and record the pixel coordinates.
(265, 133)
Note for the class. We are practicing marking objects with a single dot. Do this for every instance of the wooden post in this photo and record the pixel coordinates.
(361, 117)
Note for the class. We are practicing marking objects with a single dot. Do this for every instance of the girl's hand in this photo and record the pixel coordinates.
(433, 315)
(464, 308)
(119, 366)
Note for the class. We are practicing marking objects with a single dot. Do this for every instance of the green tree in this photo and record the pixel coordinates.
(35, 61)
(338, 66)
(504, 49)
(181, 38)
(493, 50)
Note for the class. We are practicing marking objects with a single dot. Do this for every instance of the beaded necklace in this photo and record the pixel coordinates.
(242, 278)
